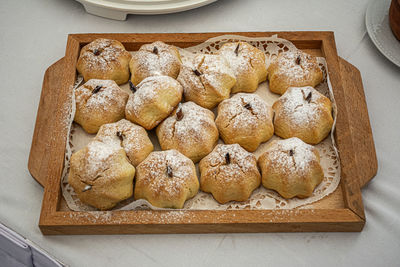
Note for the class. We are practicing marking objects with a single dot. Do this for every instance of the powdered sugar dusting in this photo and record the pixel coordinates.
(244, 109)
(291, 155)
(101, 54)
(109, 96)
(293, 71)
(98, 154)
(193, 125)
(240, 161)
(297, 109)
(155, 176)
(148, 91)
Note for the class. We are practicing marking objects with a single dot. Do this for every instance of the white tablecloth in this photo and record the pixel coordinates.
(33, 35)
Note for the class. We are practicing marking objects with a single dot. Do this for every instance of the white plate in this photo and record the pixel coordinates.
(119, 9)
(377, 21)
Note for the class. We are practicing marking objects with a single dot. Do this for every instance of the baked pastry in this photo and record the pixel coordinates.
(101, 175)
(291, 69)
(305, 113)
(99, 102)
(229, 173)
(155, 98)
(190, 129)
(131, 137)
(245, 119)
(154, 59)
(247, 63)
(291, 167)
(104, 59)
(207, 81)
(166, 179)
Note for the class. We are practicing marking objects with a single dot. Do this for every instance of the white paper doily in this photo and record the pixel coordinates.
(261, 198)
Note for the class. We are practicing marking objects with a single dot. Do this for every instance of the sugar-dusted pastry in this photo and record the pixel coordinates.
(101, 175)
(155, 59)
(99, 102)
(245, 119)
(291, 69)
(207, 81)
(305, 113)
(247, 63)
(154, 99)
(190, 129)
(133, 138)
(166, 179)
(229, 173)
(291, 167)
(104, 59)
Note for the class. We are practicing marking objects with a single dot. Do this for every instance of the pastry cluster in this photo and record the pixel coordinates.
(175, 100)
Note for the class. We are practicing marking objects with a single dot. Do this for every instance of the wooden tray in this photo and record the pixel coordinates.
(341, 211)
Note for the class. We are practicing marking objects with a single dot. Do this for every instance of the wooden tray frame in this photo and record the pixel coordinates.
(353, 136)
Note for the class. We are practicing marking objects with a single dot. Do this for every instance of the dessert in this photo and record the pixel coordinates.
(154, 59)
(247, 63)
(131, 137)
(101, 175)
(245, 119)
(166, 179)
(104, 59)
(229, 173)
(190, 129)
(305, 113)
(291, 69)
(291, 167)
(99, 102)
(207, 81)
(153, 100)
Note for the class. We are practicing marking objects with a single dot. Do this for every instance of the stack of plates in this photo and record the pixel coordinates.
(118, 9)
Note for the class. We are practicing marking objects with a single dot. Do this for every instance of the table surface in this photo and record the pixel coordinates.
(33, 35)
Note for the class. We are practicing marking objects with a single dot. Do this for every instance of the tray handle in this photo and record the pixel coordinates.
(365, 154)
(38, 157)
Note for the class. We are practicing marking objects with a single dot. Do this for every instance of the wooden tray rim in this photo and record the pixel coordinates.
(55, 222)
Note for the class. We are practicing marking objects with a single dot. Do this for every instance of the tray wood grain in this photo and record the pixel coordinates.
(341, 211)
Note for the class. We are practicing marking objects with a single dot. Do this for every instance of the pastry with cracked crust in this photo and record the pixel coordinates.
(101, 175)
(166, 179)
(247, 63)
(245, 119)
(190, 129)
(229, 173)
(155, 59)
(305, 113)
(153, 100)
(291, 167)
(104, 59)
(207, 81)
(293, 69)
(133, 138)
(99, 102)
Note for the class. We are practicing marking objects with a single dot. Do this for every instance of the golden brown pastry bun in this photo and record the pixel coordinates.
(207, 81)
(305, 113)
(245, 119)
(190, 129)
(99, 102)
(247, 63)
(293, 69)
(154, 59)
(291, 167)
(104, 59)
(101, 175)
(166, 179)
(229, 173)
(133, 139)
(155, 98)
